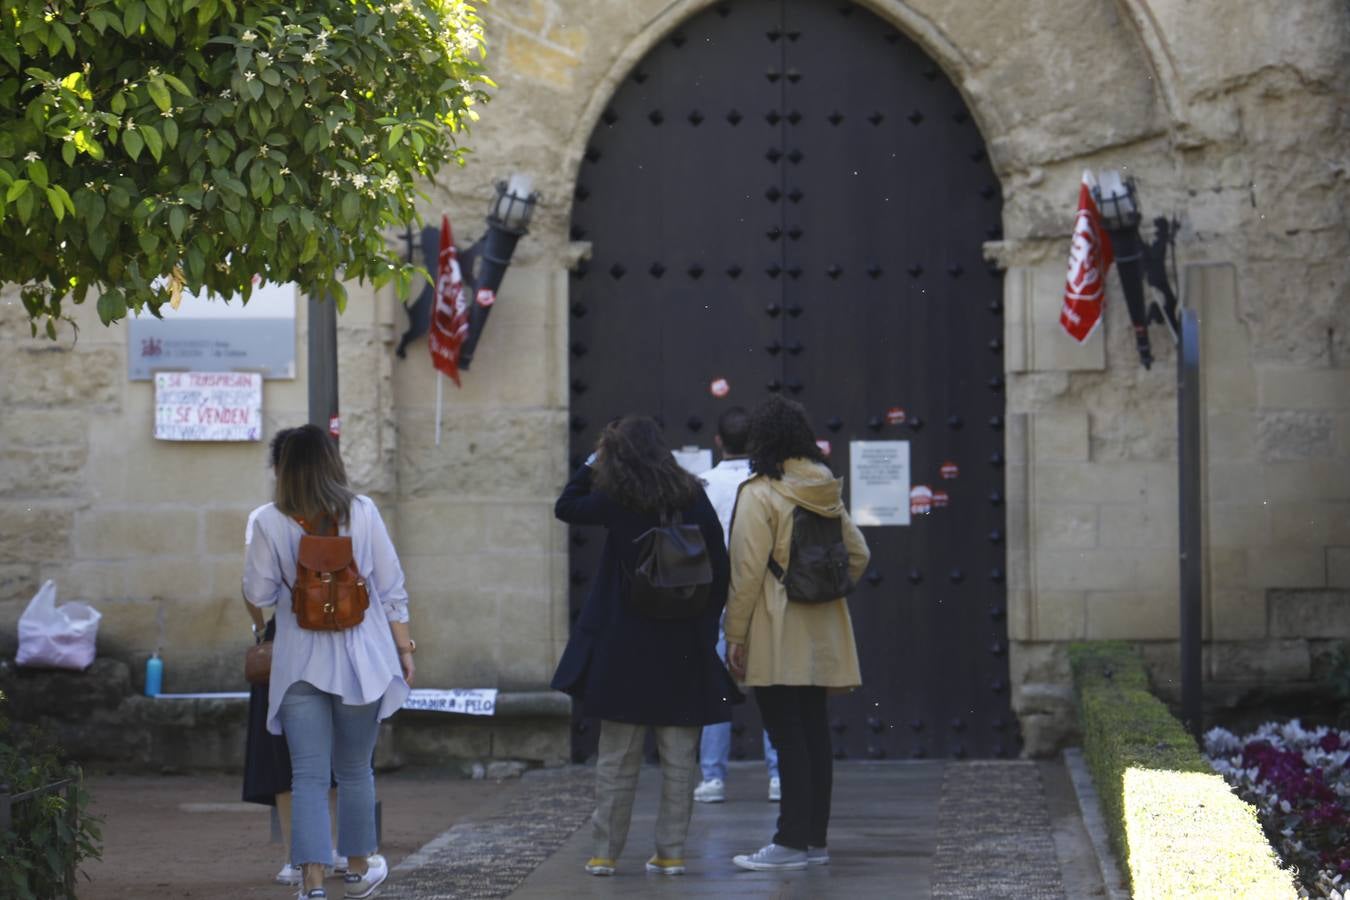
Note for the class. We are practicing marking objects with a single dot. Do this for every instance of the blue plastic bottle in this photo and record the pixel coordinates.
(154, 675)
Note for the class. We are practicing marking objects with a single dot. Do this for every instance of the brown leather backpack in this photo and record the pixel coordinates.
(329, 592)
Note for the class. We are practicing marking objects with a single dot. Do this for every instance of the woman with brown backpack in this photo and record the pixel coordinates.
(342, 659)
(643, 652)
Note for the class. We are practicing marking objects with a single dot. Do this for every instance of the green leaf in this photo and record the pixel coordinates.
(63, 33)
(395, 135)
(134, 17)
(170, 128)
(98, 242)
(350, 208)
(153, 141)
(25, 204)
(9, 52)
(118, 103)
(37, 173)
(148, 241)
(133, 142)
(16, 190)
(93, 217)
(177, 222)
(111, 306)
(177, 84)
(271, 76)
(68, 152)
(310, 248)
(159, 93)
(68, 203)
(254, 89)
(54, 201)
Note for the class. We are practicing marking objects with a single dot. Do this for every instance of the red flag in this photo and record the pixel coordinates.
(450, 314)
(1090, 258)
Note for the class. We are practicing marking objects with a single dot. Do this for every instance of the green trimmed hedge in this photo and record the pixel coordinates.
(1177, 828)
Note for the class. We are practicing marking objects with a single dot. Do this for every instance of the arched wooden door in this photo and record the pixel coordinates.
(791, 196)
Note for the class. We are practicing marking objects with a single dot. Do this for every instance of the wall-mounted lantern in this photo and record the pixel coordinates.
(482, 266)
(1118, 201)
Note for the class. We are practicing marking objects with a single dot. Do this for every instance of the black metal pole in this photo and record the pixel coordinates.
(1129, 252)
(1192, 554)
(323, 371)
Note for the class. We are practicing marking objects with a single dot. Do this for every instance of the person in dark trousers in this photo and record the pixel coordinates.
(791, 653)
(632, 671)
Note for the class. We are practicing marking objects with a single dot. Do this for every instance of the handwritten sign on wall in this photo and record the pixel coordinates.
(208, 406)
(467, 701)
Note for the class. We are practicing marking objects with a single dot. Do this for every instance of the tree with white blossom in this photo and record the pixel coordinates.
(149, 147)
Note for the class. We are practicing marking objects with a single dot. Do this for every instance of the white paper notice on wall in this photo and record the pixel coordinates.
(879, 482)
(694, 460)
(466, 701)
(208, 406)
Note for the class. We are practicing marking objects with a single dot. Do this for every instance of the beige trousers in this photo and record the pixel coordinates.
(616, 777)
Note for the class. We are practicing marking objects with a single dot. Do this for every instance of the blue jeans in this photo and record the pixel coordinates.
(327, 737)
(714, 748)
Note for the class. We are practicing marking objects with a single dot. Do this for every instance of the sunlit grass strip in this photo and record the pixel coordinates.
(1175, 825)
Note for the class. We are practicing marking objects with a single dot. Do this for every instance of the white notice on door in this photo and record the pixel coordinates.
(879, 482)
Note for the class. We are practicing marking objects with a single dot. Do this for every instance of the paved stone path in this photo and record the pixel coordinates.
(899, 829)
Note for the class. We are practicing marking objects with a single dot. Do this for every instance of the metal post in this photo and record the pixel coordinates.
(1192, 584)
(323, 366)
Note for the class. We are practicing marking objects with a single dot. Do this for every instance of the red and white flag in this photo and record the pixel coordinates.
(450, 313)
(1090, 258)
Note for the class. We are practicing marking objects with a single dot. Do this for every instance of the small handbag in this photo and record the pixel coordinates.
(258, 662)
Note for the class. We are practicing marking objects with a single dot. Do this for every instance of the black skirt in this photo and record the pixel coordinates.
(267, 759)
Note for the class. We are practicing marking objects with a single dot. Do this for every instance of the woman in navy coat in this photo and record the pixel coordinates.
(631, 671)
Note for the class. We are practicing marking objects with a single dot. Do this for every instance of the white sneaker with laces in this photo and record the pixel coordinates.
(818, 856)
(775, 789)
(772, 857)
(360, 887)
(289, 875)
(710, 791)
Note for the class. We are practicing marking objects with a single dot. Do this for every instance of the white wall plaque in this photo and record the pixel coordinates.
(467, 701)
(210, 334)
(208, 406)
(879, 482)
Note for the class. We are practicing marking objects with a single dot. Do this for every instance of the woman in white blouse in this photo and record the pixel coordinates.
(330, 689)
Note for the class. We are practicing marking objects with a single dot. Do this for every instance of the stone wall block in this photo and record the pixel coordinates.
(1230, 436)
(35, 534)
(1338, 567)
(1061, 616)
(43, 472)
(1084, 570)
(1309, 480)
(1303, 388)
(485, 453)
(1310, 613)
(177, 579)
(1065, 525)
(1039, 661)
(1237, 614)
(223, 529)
(1088, 482)
(1287, 567)
(1237, 524)
(1129, 525)
(1291, 435)
(18, 582)
(1235, 482)
(1310, 523)
(1132, 615)
(1260, 661)
(53, 376)
(1060, 436)
(135, 533)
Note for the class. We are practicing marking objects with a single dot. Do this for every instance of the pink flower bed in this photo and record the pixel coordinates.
(1299, 781)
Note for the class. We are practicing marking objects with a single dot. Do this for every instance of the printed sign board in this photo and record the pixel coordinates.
(467, 701)
(208, 406)
(879, 482)
(209, 334)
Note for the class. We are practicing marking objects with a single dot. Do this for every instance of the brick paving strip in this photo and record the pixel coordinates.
(994, 834)
(490, 857)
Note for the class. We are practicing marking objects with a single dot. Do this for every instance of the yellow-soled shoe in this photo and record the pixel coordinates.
(598, 865)
(665, 866)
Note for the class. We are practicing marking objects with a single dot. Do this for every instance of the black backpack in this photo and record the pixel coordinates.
(817, 570)
(673, 575)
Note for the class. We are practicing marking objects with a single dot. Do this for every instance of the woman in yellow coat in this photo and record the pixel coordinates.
(791, 653)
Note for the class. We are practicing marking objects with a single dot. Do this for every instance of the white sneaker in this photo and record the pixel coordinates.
(339, 864)
(818, 856)
(710, 791)
(361, 886)
(315, 894)
(775, 789)
(772, 857)
(289, 875)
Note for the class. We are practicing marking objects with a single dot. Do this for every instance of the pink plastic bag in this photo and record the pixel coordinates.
(57, 637)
